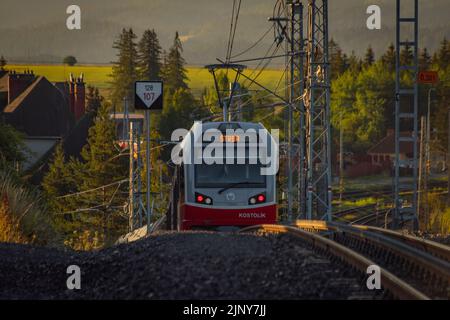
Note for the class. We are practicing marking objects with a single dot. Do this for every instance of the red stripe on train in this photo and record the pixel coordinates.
(200, 216)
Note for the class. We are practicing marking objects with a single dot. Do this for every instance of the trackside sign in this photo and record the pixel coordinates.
(148, 95)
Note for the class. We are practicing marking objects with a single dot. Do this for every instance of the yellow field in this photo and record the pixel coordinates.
(98, 76)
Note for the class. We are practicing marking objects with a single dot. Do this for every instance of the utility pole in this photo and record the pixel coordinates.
(341, 160)
(149, 184)
(406, 118)
(291, 29)
(139, 178)
(422, 173)
(318, 132)
(131, 218)
(126, 119)
(448, 158)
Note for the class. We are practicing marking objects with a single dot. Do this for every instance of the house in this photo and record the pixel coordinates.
(383, 153)
(45, 112)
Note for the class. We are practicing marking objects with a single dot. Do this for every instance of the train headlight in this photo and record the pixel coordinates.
(260, 198)
(200, 198)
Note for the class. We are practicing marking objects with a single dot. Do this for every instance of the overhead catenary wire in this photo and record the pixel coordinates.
(234, 30)
(254, 44)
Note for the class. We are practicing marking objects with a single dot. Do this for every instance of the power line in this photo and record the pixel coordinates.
(234, 31)
(94, 189)
(253, 45)
(231, 30)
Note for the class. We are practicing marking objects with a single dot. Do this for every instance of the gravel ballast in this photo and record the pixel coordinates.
(186, 265)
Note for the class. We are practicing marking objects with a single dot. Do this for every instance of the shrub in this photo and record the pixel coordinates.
(70, 60)
(23, 215)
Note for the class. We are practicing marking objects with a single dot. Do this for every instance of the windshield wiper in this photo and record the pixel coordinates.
(231, 185)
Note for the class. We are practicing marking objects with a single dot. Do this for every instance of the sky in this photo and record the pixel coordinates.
(36, 30)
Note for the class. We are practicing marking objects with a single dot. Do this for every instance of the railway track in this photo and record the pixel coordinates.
(396, 287)
(424, 264)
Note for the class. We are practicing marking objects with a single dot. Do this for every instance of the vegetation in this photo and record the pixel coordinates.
(439, 221)
(124, 70)
(70, 60)
(24, 217)
(149, 56)
(85, 196)
(3, 63)
(99, 76)
(12, 148)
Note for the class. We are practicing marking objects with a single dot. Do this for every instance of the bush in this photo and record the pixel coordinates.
(23, 215)
(70, 60)
(439, 221)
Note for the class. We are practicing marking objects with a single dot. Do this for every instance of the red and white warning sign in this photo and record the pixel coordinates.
(148, 95)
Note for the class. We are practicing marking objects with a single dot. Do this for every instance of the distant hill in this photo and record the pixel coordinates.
(36, 31)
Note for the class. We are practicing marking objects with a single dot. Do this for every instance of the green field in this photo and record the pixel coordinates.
(98, 76)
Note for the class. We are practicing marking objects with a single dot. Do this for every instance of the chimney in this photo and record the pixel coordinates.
(71, 94)
(79, 98)
(18, 83)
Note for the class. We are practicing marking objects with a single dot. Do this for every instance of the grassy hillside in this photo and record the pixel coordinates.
(99, 75)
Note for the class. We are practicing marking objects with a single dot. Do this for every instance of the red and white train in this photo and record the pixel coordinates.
(234, 193)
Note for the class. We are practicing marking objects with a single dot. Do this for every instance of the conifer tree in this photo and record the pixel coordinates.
(93, 100)
(149, 56)
(442, 57)
(369, 58)
(174, 71)
(424, 60)
(406, 56)
(3, 63)
(55, 182)
(388, 58)
(124, 71)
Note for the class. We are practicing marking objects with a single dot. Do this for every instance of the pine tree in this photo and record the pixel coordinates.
(124, 71)
(174, 72)
(354, 63)
(337, 60)
(149, 62)
(99, 153)
(424, 60)
(93, 100)
(443, 55)
(369, 58)
(55, 182)
(388, 58)
(3, 63)
(406, 56)
(12, 146)
(103, 166)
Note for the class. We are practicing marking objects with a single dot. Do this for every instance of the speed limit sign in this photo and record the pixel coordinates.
(148, 95)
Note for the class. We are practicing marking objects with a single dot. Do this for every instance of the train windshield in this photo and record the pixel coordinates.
(222, 175)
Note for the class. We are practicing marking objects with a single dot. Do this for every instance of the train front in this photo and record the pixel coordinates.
(229, 176)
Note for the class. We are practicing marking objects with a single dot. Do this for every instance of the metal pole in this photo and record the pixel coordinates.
(126, 119)
(225, 113)
(139, 179)
(131, 221)
(291, 116)
(149, 214)
(448, 157)
(341, 160)
(421, 170)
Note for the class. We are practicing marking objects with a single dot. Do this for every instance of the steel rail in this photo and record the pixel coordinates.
(425, 255)
(435, 248)
(397, 287)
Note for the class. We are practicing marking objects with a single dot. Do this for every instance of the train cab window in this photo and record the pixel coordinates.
(221, 175)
